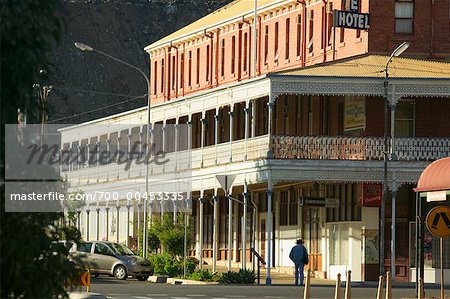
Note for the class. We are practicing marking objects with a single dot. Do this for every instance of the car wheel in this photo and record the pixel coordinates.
(142, 278)
(120, 272)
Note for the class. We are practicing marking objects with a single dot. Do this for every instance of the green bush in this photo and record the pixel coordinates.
(201, 275)
(242, 277)
(191, 264)
(165, 264)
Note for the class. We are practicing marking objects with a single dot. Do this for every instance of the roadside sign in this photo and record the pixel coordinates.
(319, 202)
(438, 221)
(436, 196)
(351, 19)
(226, 181)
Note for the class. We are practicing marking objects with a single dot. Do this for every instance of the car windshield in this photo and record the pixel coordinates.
(121, 250)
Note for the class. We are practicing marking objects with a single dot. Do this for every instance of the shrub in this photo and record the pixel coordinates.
(242, 277)
(202, 275)
(165, 264)
(191, 264)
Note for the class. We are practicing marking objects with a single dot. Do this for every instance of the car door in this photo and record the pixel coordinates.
(103, 258)
(81, 254)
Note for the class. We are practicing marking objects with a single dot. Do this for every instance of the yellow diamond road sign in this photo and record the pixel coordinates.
(438, 221)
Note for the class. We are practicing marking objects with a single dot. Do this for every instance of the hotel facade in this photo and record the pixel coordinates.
(296, 117)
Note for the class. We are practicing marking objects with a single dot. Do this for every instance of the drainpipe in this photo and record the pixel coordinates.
(217, 57)
(211, 37)
(183, 68)
(325, 31)
(259, 45)
(239, 60)
(303, 46)
(432, 28)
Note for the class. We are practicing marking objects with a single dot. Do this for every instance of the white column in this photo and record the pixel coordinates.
(98, 224)
(138, 222)
(201, 201)
(87, 224)
(215, 229)
(203, 126)
(231, 114)
(107, 223)
(128, 225)
(244, 227)
(246, 113)
(269, 231)
(230, 228)
(270, 106)
(235, 232)
(216, 131)
(253, 120)
(117, 223)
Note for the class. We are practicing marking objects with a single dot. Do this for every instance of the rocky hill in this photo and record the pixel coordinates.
(87, 85)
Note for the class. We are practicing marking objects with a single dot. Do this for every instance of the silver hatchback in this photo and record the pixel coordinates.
(112, 259)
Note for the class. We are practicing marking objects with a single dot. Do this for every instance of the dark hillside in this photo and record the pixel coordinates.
(85, 81)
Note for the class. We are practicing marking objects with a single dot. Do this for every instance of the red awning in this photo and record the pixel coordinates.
(435, 177)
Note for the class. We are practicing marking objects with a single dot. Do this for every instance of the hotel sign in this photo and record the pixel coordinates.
(352, 18)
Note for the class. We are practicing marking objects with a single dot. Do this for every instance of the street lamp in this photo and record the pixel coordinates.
(84, 47)
(397, 52)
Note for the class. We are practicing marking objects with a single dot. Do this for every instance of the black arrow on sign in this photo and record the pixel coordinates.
(437, 217)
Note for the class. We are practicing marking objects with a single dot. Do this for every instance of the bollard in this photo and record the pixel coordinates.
(306, 291)
(388, 285)
(348, 287)
(337, 291)
(420, 290)
(380, 287)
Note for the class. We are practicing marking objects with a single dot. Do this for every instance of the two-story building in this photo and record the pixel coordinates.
(297, 117)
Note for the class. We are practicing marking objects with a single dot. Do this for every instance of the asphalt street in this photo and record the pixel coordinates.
(131, 288)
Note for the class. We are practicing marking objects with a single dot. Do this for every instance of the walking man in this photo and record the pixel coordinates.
(299, 255)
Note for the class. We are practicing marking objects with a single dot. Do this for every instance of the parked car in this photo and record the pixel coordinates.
(112, 259)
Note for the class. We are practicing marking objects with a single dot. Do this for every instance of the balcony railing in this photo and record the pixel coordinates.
(358, 148)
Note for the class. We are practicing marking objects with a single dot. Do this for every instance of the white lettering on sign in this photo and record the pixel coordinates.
(349, 19)
(354, 5)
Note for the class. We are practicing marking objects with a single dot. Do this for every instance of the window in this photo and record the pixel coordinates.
(245, 51)
(233, 53)
(288, 33)
(174, 75)
(162, 75)
(276, 42)
(329, 23)
(155, 77)
(182, 70)
(404, 14)
(311, 31)
(299, 34)
(102, 249)
(222, 66)
(322, 40)
(84, 247)
(208, 59)
(197, 78)
(404, 119)
(266, 44)
(190, 69)
(358, 31)
(288, 208)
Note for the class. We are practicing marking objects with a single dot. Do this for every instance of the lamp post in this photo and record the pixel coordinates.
(397, 52)
(84, 47)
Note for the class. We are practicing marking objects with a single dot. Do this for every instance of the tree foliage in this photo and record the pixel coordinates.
(29, 268)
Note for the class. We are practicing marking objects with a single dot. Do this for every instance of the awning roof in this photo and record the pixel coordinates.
(373, 66)
(436, 177)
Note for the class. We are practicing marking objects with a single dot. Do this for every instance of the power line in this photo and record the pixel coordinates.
(97, 109)
(90, 91)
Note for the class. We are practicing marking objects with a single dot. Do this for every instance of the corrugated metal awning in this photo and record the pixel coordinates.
(436, 177)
